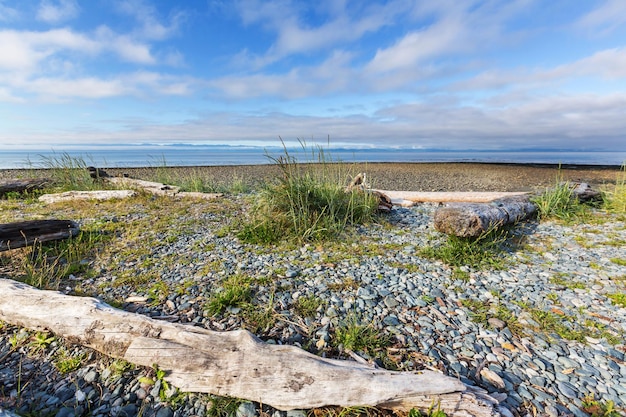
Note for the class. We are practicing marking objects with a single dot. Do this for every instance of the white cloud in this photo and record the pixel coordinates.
(339, 25)
(150, 25)
(416, 47)
(24, 50)
(605, 18)
(608, 64)
(7, 13)
(55, 12)
(87, 87)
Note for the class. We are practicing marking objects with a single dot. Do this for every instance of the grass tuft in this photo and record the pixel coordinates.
(235, 292)
(357, 337)
(560, 203)
(615, 199)
(308, 203)
(69, 173)
(483, 252)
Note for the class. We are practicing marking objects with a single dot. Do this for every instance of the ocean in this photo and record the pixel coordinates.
(216, 155)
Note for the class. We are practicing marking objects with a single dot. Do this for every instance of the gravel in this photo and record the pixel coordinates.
(422, 304)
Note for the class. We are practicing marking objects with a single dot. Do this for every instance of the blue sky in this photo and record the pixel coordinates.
(454, 74)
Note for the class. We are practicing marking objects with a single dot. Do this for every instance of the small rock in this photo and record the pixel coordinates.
(492, 378)
(165, 412)
(90, 376)
(246, 409)
(496, 323)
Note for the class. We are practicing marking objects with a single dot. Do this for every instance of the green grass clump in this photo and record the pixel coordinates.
(597, 408)
(307, 306)
(618, 261)
(308, 203)
(47, 265)
(483, 252)
(560, 203)
(357, 337)
(615, 198)
(618, 298)
(70, 173)
(235, 292)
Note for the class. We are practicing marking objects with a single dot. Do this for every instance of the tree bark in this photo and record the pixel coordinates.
(20, 185)
(20, 234)
(474, 219)
(409, 198)
(234, 363)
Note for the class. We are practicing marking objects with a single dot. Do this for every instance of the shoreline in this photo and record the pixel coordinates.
(406, 176)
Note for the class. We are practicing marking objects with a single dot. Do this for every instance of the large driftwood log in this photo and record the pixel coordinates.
(234, 363)
(99, 195)
(20, 185)
(20, 234)
(149, 186)
(410, 198)
(159, 188)
(474, 219)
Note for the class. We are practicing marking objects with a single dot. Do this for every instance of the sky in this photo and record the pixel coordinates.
(446, 74)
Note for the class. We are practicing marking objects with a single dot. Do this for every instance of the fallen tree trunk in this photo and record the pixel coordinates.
(21, 185)
(474, 219)
(234, 363)
(409, 198)
(20, 234)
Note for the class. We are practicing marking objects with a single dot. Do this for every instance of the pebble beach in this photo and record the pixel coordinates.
(438, 317)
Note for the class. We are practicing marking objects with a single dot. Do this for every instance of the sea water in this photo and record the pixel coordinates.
(216, 155)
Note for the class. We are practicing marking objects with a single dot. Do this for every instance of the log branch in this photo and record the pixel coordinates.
(234, 363)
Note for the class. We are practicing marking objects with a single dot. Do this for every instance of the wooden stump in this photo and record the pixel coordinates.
(234, 363)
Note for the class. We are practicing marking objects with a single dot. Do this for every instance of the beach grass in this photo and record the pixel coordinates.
(307, 204)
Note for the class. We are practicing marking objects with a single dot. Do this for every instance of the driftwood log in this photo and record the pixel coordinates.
(234, 363)
(159, 188)
(21, 185)
(99, 195)
(474, 219)
(410, 198)
(20, 234)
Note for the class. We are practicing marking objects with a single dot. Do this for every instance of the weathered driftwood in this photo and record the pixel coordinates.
(234, 363)
(148, 186)
(21, 185)
(474, 219)
(20, 234)
(99, 195)
(159, 188)
(410, 198)
(584, 193)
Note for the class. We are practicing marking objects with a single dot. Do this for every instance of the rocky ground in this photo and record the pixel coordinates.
(544, 334)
